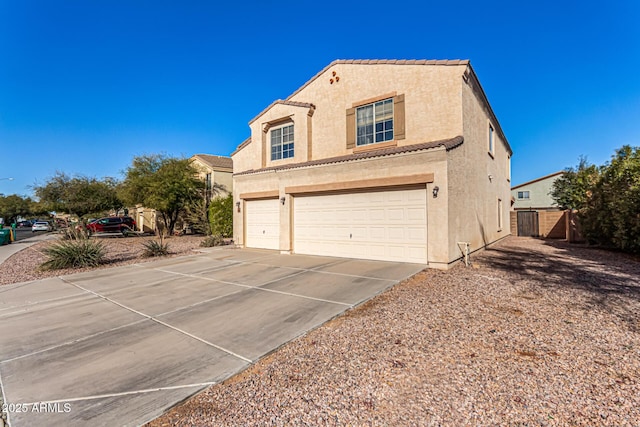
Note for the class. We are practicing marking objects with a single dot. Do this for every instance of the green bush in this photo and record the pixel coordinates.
(607, 199)
(221, 216)
(74, 254)
(211, 241)
(154, 248)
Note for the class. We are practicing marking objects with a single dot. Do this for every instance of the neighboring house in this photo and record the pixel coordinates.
(216, 172)
(384, 160)
(536, 213)
(534, 195)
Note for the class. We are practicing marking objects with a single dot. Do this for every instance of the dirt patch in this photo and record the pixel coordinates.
(24, 265)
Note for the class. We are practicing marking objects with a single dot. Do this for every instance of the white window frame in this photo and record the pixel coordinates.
(282, 153)
(387, 134)
(522, 192)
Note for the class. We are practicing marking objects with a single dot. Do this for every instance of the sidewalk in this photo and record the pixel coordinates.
(7, 250)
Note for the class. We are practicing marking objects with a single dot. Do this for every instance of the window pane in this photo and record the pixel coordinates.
(374, 122)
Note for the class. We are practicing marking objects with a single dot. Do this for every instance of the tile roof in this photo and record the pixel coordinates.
(284, 102)
(448, 144)
(542, 178)
(215, 162)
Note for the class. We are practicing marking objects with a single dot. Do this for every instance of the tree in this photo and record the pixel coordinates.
(221, 216)
(79, 195)
(574, 187)
(13, 206)
(166, 184)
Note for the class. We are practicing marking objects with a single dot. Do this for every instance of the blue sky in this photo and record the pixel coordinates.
(87, 85)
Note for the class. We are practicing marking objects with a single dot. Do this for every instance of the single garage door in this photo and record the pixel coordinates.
(379, 225)
(263, 224)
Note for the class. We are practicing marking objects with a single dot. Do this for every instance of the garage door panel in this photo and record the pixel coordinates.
(382, 225)
(263, 224)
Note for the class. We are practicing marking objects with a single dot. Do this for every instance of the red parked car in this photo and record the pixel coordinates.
(112, 224)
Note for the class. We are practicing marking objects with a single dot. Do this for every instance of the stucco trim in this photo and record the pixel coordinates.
(362, 184)
(273, 194)
(308, 105)
(376, 146)
(374, 99)
(447, 144)
(242, 145)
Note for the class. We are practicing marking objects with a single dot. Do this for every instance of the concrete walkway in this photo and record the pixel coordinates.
(120, 346)
(7, 250)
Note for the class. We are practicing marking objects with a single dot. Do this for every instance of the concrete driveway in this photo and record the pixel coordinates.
(119, 346)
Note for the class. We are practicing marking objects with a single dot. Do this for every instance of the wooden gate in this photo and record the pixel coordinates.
(528, 223)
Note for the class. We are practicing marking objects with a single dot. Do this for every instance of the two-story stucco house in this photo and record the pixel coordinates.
(376, 159)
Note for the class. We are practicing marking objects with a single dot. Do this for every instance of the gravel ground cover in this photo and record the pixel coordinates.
(23, 266)
(536, 333)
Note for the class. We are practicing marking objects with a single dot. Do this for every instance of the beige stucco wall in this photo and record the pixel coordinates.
(477, 180)
(539, 197)
(432, 161)
(432, 105)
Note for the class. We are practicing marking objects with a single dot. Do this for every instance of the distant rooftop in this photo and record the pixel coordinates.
(215, 162)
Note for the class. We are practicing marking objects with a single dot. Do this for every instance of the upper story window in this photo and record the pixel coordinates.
(374, 122)
(523, 195)
(282, 142)
(491, 139)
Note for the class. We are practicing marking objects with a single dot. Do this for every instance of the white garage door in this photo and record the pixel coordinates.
(263, 224)
(381, 225)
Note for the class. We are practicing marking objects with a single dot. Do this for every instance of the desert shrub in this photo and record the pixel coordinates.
(74, 254)
(154, 248)
(211, 241)
(221, 216)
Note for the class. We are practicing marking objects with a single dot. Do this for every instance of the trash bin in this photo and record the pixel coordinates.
(5, 236)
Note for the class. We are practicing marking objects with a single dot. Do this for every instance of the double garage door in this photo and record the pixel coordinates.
(380, 225)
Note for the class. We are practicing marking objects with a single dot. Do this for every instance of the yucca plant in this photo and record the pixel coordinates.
(153, 248)
(74, 254)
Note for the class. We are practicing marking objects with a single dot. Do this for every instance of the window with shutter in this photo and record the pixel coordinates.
(375, 122)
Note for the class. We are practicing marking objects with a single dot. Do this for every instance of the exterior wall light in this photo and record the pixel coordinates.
(238, 206)
(435, 191)
(282, 200)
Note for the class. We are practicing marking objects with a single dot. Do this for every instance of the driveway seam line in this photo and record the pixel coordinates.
(160, 322)
(315, 270)
(39, 302)
(126, 393)
(259, 288)
(77, 340)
